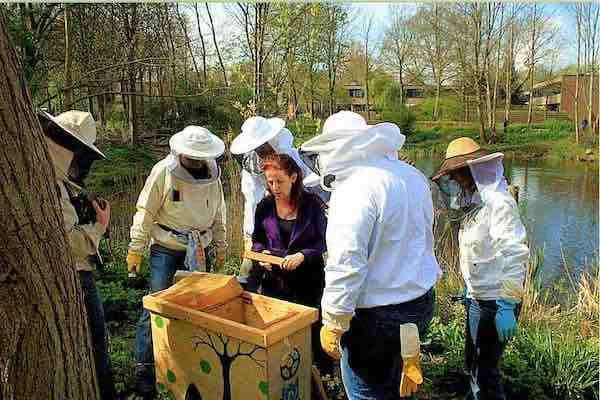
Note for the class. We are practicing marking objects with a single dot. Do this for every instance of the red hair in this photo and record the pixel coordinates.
(287, 165)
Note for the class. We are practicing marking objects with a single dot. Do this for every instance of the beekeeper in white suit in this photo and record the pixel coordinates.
(381, 267)
(180, 211)
(493, 257)
(259, 138)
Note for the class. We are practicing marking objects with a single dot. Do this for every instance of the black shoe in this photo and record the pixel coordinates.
(144, 385)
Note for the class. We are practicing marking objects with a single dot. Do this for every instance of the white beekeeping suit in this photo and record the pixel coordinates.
(493, 243)
(255, 132)
(379, 237)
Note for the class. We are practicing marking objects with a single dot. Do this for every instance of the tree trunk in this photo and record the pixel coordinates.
(183, 23)
(45, 350)
(477, 42)
(531, 67)
(576, 100)
(214, 37)
(496, 77)
(201, 42)
(508, 88)
(226, 368)
(68, 89)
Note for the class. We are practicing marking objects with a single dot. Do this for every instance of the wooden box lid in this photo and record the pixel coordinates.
(217, 302)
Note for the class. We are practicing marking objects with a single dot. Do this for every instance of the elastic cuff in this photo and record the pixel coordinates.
(339, 322)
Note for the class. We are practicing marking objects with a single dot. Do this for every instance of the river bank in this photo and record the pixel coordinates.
(552, 139)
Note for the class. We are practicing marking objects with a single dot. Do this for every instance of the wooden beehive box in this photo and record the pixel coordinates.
(213, 341)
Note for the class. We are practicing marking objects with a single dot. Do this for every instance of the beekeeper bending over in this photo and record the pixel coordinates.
(180, 211)
(381, 268)
(261, 137)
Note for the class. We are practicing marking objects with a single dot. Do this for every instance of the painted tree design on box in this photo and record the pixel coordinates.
(223, 346)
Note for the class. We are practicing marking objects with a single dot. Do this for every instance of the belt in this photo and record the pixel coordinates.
(174, 231)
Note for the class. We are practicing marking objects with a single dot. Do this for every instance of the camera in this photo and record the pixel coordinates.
(82, 202)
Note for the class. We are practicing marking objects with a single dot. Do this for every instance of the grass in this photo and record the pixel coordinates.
(552, 139)
(553, 356)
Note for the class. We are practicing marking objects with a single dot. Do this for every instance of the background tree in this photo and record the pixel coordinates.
(44, 341)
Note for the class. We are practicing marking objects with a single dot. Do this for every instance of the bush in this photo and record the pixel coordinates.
(122, 165)
(402, 117)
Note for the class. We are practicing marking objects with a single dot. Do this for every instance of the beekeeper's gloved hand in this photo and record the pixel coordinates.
(134, 263)
(333, 328)
(506, 321)
(219, 260)
(410, 349)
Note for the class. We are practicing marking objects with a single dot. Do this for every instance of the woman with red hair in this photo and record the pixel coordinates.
(290, 223)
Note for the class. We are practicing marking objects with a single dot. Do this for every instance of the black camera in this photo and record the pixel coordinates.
(82, 202)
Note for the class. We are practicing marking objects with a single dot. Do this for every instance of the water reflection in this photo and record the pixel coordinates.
(559, 204)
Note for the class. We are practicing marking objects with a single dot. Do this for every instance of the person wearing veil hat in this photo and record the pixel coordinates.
(262, 137)
(381, 268)
(70, 137)
(493, 257)
(180, 211)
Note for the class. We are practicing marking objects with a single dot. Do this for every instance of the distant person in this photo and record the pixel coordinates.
(70, 137)
(261, 137)
(584, 124)
(180, 212)
(291, 223)
(493, 257)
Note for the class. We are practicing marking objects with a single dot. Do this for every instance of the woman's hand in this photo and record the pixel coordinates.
(292, 262)
(265, 265)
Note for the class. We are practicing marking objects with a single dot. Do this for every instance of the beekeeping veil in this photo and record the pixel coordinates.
(347, 142)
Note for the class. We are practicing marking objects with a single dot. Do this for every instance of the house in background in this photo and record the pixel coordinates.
(358, 97)
(558, 94)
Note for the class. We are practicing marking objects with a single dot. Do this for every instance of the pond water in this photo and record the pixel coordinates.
(559, 205)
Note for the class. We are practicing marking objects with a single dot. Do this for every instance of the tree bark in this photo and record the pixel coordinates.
(45, 349)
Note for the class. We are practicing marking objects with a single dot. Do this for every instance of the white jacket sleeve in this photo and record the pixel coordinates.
(352, 217)
(149, 202)
(509, 241)
(219, 226)
(253, 191)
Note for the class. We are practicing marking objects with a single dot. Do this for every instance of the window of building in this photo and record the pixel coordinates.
(355, 93)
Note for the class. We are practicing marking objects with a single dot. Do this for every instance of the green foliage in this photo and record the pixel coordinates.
(449, 109)
(121, 167)
(304, 128)
(403, 117)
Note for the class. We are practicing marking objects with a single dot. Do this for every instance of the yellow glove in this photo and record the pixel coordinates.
(410, 349)
(411, 377)
(134, 262)
(219, 260)
(330, 341)
(334, 326)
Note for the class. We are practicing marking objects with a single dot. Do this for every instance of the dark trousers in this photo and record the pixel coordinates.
(483, 349)
(95, 314)
(371, 360)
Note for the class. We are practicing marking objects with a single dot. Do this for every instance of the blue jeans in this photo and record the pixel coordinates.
(483, 349)
(163, 265)
(95, 315)
(371, 361)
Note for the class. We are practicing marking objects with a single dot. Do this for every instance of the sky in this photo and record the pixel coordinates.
(560, 14)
